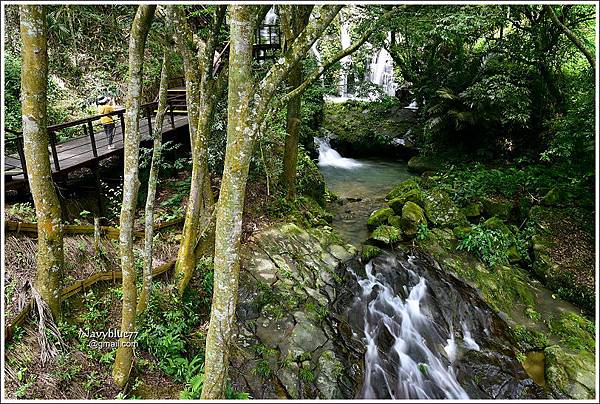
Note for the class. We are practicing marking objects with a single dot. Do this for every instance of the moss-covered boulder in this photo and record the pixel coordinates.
(395, 221)
(379, 217)
(369, 252)
(462, 231)
(496, 206)
(555, 197)
(402, 188)
(412, 217)
(386, 235)
(441, 210)
(420, 164)
(414, 195)
(472, 210)
(570, 375)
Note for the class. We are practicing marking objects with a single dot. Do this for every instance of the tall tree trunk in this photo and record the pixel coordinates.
(298, 18)
(231, 201)
(199, 78)
(137, 41)
(247, 107)
(152, 182)
(34, 82)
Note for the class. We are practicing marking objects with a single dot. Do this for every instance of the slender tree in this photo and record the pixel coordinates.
(293, 22)
(137, 41)
(34, 82)
(247, 106)
(153, 180)
(202, 91)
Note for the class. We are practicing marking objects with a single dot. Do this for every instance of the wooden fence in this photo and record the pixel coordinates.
(79, 286)
(68, 229)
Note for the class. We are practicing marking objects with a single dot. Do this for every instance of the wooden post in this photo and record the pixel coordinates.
(97, 235)
(19, 140)
(172, 114)
(122, 116)
(92, 138)
(149, 116)
(52, 136)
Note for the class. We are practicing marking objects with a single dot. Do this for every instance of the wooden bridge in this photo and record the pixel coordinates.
(85, 143)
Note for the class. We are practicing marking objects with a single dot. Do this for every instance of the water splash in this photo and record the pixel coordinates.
(405, 356)
(329, 157)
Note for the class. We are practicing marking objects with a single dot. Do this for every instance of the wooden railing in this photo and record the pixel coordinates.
(86, 125)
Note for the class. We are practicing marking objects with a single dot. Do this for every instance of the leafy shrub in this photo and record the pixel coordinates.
(490, 245)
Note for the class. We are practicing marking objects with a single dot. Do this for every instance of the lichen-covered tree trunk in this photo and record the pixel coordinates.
(34, 81)
(199, 78)
(247, 105)
(137, 41)
(231, 201)
(152, 182)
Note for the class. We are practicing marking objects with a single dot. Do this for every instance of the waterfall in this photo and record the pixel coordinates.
(405, 353)
(329, 157)
(346, 61)
(382, 71)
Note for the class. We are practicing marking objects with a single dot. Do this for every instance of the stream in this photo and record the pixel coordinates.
(425, 334)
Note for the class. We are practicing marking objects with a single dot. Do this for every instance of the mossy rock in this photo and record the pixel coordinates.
(496, 207)
(441, 210)
(420, 164)
(395, 221)
(379, 217)
(414, 195)
(574, 331)
(369, 252)
(462, 231)
(555, 197)
(412, 217)
(472, 210)
(386, 235)
(570, 375)
(496, 223)
(402, 188)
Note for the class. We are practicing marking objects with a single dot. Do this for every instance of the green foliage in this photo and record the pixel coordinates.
(530, 339)
(422, 232)
(490, 245)
(24, 212)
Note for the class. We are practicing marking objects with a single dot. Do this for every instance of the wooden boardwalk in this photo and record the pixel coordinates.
(81, 151)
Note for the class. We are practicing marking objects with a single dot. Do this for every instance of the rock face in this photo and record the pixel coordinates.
(289, 344)
(570, 375)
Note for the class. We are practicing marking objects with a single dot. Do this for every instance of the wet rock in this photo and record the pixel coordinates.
(369, 252)
(570, 375)
(378, 218)
(329, 370)
(413, 195)
(442, 211)
(419, 164)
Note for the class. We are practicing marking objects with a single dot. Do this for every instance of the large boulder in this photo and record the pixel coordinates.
(379, 217)
(570, 375)
(414, 195)
(412, 217)
(419, 165)
(402, 188)
(441, 210)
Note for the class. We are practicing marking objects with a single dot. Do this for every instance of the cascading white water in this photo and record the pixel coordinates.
(413, 363)
(329, 157)
(382, 71)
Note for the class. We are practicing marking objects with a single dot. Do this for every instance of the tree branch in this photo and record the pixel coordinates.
(571, 35)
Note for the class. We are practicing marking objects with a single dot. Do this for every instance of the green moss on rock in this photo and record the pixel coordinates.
(570, 375)
(369, 252)
(379, 217)
(402, 188)
(442, 211)
(420, 164)
(387, 235)
(413, 195)
(496, 207)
